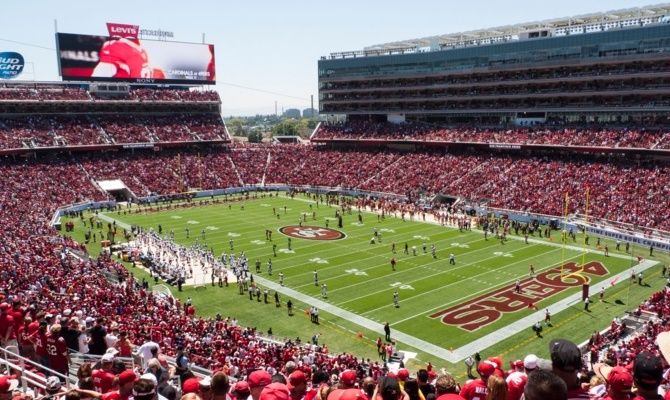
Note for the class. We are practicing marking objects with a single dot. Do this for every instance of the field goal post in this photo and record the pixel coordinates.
(578, 274)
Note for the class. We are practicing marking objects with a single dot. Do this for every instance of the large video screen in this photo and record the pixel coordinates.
(104, 58)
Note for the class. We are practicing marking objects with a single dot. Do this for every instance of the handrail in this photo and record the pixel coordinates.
(12, 360)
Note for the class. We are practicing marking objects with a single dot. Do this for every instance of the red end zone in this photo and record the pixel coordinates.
(312, 232)
(488, 308)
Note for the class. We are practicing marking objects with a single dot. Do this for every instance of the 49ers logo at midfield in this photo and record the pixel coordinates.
(488, 308)
(311, 232)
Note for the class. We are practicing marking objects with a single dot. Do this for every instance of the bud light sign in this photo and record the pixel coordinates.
(11, 64)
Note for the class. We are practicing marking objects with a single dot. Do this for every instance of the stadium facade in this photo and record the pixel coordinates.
(604, 68)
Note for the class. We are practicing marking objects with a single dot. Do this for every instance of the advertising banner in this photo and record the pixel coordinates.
(11, 64)
(123, 57)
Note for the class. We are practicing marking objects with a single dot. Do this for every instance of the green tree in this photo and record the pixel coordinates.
(287, 127)
(255, 136)
(236, 126)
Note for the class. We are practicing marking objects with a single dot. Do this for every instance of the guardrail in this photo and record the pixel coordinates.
(10, 358)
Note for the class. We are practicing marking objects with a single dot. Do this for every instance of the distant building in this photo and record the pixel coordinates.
(292, 113)
(309, 113)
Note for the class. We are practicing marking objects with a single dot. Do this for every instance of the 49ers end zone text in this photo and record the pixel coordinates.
(488, 308)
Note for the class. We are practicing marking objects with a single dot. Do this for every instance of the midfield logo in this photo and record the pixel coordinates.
(312, 232)
(490, 307)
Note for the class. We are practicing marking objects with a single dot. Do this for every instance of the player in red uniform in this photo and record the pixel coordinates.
(125, 58)
(57, 350)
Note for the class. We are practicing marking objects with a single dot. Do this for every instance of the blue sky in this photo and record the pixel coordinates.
(268, 45)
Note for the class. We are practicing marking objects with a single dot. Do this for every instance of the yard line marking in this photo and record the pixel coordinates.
(423, 277)
(471, 277)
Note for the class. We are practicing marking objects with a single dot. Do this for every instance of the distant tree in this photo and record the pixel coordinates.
(287, 127)
(255, 136)
(236, 126)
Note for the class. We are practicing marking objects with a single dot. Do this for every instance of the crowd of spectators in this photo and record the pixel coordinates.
(43, 94)
(600, 137)
(147, 94)
(46, 93)
(620, 191)
(165, 173)
(54, 130)
(72, 295)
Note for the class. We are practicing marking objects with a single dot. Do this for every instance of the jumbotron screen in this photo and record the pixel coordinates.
(104, 58)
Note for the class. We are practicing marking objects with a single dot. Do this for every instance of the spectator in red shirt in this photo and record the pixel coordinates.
(257, 380)
(619, 381)
(297, 385)
(57, 350)
(103, 379)
(477, 389)
(39, 340)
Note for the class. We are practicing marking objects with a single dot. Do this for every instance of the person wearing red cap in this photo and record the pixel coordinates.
(275, 391)
(126, 381)
(516, 381)
(619, 381)
(190, 385)
(7, 386)
(402, 375)
(297, 385)
(241, 390)
(498, 362)
(257, 380)
(476, 389)
(348, 379)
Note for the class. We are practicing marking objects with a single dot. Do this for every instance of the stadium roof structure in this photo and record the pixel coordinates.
(615, 19)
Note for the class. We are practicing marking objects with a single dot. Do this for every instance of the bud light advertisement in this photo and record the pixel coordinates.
(11, 64)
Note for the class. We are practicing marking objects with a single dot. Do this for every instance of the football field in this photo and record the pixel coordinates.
(440, 304)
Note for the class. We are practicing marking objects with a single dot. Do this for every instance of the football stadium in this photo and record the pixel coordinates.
(483, 215)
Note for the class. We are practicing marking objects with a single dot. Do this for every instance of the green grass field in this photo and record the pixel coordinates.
(360, 279)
